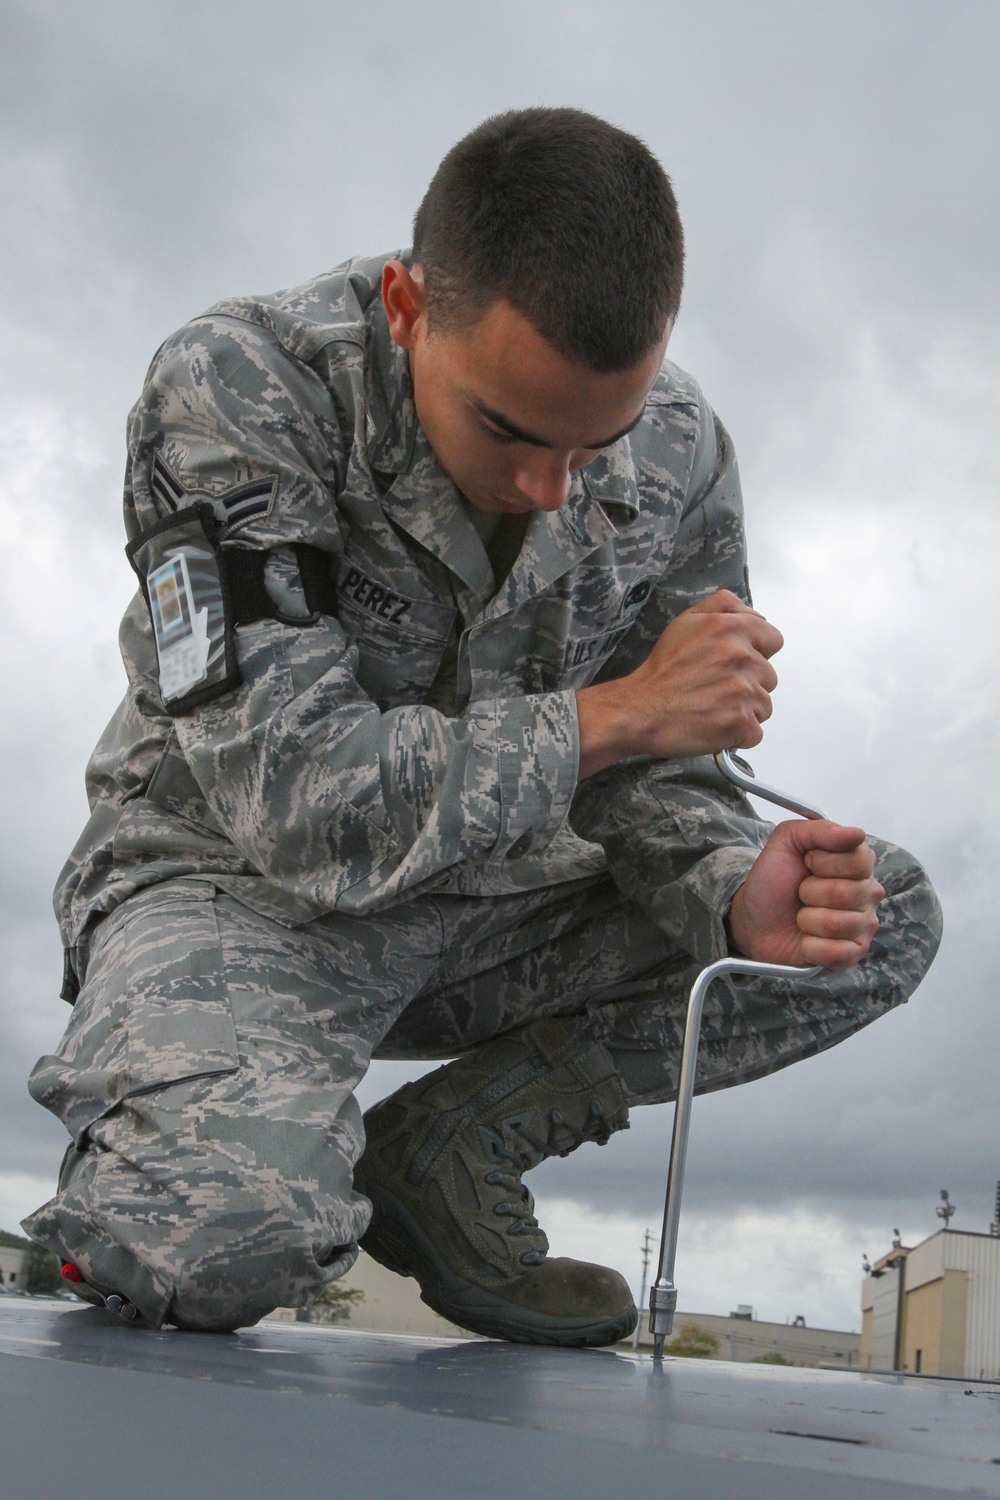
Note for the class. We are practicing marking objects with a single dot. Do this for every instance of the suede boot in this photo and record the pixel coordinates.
(442, 1167)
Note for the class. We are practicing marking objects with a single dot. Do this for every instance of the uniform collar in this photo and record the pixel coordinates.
(610, 480)
(391, 414)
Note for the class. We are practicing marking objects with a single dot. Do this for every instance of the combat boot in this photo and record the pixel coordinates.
(442, 1167)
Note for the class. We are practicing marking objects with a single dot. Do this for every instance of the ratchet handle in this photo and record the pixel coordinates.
(663, 1292)
(740, 774)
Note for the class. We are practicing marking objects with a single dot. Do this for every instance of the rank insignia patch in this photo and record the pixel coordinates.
(233, 507)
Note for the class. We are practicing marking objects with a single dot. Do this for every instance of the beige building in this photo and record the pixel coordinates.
(391, 1304)
(12, 1253)
(743, 1338)
(934, 1309)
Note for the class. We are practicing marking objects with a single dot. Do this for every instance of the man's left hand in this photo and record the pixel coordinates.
(810, 897)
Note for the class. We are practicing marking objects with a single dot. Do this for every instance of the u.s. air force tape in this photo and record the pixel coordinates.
(178, 565)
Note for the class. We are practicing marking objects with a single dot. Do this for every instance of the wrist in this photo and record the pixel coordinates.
(737, 938)
(609, 727)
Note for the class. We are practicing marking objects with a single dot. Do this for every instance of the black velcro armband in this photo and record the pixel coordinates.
(70, 978)
(245, 568)
(184, 579)
(198, 592)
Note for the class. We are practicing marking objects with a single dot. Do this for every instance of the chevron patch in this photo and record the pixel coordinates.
(247, 500)
(233, 507)
(165, 486)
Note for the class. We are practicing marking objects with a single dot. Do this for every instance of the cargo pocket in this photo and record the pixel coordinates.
(154, 1010)
(180, 1024)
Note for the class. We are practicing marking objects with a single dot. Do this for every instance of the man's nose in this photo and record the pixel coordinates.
(546, 484)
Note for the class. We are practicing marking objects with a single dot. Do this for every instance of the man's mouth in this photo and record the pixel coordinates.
(513, 507)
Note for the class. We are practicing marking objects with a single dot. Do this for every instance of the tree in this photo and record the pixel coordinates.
(334, 1303)
(772, 1357)
(693, 1342)
(41, 1274)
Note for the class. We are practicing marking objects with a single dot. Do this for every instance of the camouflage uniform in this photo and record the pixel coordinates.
(368, 839)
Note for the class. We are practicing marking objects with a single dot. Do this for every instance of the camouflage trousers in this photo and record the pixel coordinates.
(207, 1075)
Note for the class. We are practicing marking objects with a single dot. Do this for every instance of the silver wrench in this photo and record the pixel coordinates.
(663, 1292)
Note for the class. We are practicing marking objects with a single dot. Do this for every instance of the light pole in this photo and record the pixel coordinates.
(945, 1208)
(647, 1250)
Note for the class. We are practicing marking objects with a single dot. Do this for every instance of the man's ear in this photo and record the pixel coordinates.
(405, 302)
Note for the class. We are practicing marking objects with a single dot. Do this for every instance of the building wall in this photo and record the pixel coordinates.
(922, 1341)
(11, 1266)
(884, 1293)
(391, 1304)
(743, 1340)
(925, 1262)
(954, 1323)
(934, 1336)
(951, 1308)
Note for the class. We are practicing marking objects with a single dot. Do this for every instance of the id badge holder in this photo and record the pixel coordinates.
(184, 583)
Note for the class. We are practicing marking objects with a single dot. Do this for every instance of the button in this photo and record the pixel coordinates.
(519, 846)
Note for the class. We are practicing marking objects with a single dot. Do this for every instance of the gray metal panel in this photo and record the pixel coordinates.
(92, 1408)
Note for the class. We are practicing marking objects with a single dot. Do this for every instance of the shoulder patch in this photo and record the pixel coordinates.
(245, 501)
(233, 507)
(165, 485)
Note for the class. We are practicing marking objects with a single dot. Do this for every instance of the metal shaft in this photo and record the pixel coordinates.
(663, 1292)
(747, 782)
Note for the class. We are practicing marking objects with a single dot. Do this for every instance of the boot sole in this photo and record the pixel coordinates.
(396, 1241)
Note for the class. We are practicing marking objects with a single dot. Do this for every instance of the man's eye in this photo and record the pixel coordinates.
(503, 438)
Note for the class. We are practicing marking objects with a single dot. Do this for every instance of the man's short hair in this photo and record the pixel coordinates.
(570, 220)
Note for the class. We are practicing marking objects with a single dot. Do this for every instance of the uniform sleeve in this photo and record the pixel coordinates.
(337, 803)
(678, 838)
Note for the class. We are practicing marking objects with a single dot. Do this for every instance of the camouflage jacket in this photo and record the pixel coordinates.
(426, 737)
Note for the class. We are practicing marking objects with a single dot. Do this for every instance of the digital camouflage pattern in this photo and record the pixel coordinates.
(208, 1070)
(376, 844)
(427, 738)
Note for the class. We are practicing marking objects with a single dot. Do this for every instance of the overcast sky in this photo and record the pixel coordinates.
(836, 168)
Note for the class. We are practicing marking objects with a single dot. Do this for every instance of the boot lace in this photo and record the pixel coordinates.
(596, 1127)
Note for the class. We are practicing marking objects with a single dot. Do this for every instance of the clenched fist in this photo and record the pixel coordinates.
(705, 686)
(811, 897)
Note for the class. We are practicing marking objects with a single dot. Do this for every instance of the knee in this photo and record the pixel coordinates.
(910, 917)
(200, 1259)
(238, 1280)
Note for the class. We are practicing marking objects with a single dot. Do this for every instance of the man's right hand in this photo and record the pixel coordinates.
(705, 686)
